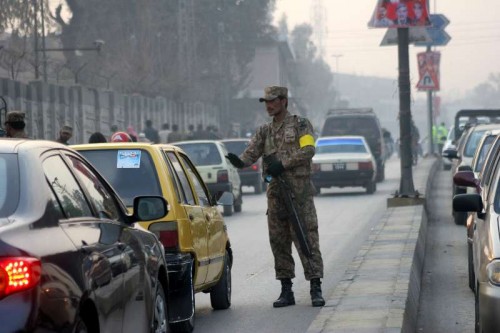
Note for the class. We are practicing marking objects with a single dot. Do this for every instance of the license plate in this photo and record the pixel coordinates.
(339, 166)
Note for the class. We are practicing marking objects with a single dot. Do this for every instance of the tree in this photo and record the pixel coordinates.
(486, 94)
(313, 81)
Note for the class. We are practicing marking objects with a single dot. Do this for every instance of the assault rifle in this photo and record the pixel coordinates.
(288, 196)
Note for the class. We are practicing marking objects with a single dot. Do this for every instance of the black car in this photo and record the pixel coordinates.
(71, 259)
(362, 122)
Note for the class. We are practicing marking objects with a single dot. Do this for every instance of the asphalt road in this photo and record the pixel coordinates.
(446, 302)
(346, 217)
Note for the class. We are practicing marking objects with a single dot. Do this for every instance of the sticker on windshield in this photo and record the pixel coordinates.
(128, 159)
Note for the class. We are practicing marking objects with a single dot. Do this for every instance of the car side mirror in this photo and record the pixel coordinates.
(467, 203)
(147, 208)
(450, 153)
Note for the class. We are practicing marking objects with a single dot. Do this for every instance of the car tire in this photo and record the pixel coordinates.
(470, 263)
(220, 294)
(160, 321)
(227, 210)
(371, 187)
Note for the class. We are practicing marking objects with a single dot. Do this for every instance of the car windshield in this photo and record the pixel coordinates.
(130, 171)
(202, 154)
(236, 147)
(9, 184)
(471, 145)
(328, 146)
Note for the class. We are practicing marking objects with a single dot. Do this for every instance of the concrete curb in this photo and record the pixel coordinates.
(380, 290)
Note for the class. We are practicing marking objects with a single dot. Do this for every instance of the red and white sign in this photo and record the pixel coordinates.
(400, 14)
(428, 70)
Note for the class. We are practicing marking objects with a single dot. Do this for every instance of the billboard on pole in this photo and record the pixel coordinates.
(400, 14)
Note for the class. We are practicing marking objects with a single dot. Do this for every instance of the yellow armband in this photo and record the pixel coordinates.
(306, 140)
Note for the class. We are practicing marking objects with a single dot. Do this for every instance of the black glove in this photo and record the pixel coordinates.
(235, 160)
(275, 168)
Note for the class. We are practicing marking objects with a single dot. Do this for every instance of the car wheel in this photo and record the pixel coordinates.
(472, 277)
(239, 202)
(380, 173)
(228, 210)
(220, 295)
(258, 187)
(371, 187)
(160, 322)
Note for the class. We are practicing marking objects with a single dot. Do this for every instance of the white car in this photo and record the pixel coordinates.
(343, 161)
(449, 144)
(209, 157)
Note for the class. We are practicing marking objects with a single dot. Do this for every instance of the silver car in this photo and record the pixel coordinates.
(485, 243)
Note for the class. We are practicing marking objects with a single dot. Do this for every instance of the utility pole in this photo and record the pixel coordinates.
(44, 54)
(430, 116)
(318, 20)
(336, 78)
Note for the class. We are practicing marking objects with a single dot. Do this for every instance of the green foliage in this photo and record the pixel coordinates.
(486, 94)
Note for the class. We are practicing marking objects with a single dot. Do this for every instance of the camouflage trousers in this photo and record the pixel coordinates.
(282, 234)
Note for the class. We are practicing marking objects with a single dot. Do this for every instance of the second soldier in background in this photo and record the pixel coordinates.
(290, 139)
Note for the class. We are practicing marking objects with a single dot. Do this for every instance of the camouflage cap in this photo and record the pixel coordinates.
(14, 117)
(274, 92)
(67, 129)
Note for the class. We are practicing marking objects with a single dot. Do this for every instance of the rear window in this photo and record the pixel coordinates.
(363, 126)
(202, 154)
(328, 146)
(131, 172)
(9, 184)
(236, 147)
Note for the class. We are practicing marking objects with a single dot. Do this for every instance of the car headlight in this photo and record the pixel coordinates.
(493, 272)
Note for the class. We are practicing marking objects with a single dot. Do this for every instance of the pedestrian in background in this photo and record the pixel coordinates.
(290, 139)
(97, 137)
(65, 134)
(151, 133)
(175, 135)
(164, 132)
(14, 125)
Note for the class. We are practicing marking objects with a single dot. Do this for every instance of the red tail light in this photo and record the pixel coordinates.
(222, 176)
(254, 167)
(18, 274)
(365, 166)
(167, 234)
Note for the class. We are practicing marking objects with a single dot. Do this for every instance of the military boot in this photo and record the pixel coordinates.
(316, 297)
(286, 297)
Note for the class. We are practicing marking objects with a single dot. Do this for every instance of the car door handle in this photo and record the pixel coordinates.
(191, 217)
(121, 246)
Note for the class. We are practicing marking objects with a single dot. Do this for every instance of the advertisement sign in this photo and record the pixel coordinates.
(400, 14)
(428, 70)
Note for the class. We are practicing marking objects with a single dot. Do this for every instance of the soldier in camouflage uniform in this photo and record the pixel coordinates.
(14, 125)
(290, 139)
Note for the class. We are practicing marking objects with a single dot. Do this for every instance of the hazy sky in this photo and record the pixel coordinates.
(467, 60)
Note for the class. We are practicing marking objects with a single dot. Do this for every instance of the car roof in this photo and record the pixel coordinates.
(8, 145)
(236, 140)
(196, 141)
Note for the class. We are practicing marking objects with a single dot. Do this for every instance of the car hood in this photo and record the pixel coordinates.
(342, 157)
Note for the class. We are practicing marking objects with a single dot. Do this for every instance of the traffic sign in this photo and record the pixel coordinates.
(436, 32)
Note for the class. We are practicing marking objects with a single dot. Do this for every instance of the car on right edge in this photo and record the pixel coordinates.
(485, 204)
